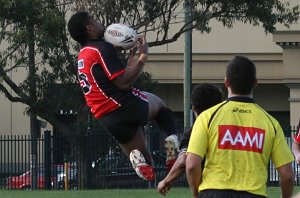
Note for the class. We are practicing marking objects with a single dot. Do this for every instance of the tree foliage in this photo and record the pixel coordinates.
(47, 63)
(34, 40)
(160, 16)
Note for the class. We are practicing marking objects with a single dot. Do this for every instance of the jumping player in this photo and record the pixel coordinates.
(120, 108)
(203, 97)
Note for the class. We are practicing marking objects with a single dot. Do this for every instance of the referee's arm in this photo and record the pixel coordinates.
(193, 172)
(286, 175)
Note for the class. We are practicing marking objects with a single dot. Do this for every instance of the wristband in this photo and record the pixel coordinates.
(182, 151)
(143, 58)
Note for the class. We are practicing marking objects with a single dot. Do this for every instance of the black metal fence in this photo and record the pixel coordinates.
(85, 161)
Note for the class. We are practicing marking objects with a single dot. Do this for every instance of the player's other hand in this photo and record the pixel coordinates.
(142, 48)
(163, 188)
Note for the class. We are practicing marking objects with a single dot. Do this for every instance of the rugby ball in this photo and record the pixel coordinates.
(121, 35)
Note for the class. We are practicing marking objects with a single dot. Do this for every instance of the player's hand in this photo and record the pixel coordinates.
(142, 48)
(163, 188)
(297, 159)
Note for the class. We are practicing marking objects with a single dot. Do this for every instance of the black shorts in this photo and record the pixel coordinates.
(227, 194)
(123, 122)
(184, 141)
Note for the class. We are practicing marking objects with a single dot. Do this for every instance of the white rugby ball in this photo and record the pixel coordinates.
(121, 35)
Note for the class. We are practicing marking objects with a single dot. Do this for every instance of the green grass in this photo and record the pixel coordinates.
(273, 192)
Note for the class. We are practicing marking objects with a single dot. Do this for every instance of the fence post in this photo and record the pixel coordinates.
(47, 154)
(34, 152)
(66, 171)
(88, 154)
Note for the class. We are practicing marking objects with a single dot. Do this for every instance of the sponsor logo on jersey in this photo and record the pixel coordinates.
(236, 109)
(139, 94)
(80, 64)
(233, 137)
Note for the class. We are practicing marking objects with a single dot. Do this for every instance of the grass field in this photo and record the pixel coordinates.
(273, 192)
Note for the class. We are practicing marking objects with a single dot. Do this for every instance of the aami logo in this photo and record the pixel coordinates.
(241, 138)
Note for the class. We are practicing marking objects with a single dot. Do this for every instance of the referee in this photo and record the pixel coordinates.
(238, 138)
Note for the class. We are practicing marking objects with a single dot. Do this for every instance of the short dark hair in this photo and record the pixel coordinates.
(205, 96)
(241, 74)
(77, 26)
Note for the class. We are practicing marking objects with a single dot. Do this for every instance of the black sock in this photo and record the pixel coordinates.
(165, 119)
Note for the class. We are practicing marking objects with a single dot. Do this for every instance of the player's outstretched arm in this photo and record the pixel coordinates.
(176, 171)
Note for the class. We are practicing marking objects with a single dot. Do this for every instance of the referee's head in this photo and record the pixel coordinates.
(241, 75)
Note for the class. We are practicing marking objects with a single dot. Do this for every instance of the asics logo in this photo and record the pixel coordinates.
(241, 110)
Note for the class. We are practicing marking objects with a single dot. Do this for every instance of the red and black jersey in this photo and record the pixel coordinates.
(98, 65)
(297, 137)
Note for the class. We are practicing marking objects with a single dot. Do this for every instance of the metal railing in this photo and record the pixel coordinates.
(86, 161)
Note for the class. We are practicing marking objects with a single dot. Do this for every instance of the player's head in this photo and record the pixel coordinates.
(83, 27)
(241, 75)
(205, 96)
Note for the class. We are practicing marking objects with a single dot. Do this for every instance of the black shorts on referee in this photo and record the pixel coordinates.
(213, 193)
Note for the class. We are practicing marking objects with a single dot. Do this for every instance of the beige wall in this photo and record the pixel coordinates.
(242, 38)
(210, 68)
(168, 67)
(13, 120)
(290, 43)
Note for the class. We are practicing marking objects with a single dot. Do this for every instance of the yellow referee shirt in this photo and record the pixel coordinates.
(238, 139)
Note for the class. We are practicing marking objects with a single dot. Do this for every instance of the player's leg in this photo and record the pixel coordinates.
(139, 155)
(125, 125)
(137, 142)
(163, 116)
(159, 112)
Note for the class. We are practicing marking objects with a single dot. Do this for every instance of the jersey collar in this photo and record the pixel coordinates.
(241, 99)
(90, 41)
